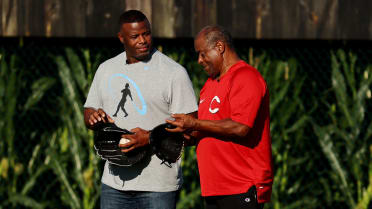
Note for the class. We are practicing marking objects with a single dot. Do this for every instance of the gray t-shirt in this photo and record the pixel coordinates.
(142, 95)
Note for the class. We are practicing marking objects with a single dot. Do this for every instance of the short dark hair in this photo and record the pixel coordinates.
(132, 16)
(215, 33)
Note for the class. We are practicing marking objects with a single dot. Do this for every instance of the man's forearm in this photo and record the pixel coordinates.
(187, 123)
(225, 127)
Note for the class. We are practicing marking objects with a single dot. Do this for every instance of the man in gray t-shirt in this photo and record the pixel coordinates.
(138, 90)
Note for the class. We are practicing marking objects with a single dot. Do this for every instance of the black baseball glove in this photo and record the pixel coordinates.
(107, 137)
(167, 146)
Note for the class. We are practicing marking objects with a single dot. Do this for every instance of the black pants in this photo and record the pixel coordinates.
(246, 200)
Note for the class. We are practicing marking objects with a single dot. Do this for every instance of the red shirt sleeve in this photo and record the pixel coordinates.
(246, 94)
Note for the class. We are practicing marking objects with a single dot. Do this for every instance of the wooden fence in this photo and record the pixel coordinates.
(253, 19)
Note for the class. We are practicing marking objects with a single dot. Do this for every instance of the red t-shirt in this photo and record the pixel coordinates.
(232, 166)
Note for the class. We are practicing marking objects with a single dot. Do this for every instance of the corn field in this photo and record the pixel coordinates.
(320, 126)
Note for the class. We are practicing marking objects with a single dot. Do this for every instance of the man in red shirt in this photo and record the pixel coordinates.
(232, 130)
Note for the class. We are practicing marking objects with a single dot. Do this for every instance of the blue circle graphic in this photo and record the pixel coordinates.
(144, 106)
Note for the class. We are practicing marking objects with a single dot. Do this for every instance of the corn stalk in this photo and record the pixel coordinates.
(82, 184)
(346, 140)
(288, 119)
(72, 158)
(17, 178)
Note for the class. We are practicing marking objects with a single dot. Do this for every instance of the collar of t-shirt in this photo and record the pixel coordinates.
(232, 69)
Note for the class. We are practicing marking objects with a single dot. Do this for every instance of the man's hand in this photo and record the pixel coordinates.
(183, 123)
(140, 138)
(92, 117)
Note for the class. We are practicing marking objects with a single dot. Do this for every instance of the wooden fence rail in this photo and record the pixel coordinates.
(253, 19)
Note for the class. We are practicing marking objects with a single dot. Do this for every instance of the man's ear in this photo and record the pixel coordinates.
(220, 45)
(121, 38)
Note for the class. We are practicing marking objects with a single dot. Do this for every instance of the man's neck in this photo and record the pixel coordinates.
(132, 60)
(229, 60)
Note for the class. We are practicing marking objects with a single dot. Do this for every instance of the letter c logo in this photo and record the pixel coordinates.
(213, 111)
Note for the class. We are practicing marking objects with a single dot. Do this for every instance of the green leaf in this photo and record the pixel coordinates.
(26, 201)
(70, 92)
(32, 179)
(324, 136)
(298, 124)
(338, 83)
(39, 88)
(63, 176)
(77, 69)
